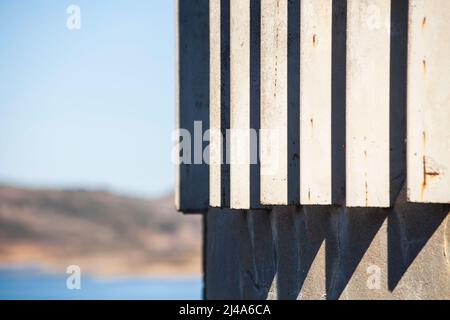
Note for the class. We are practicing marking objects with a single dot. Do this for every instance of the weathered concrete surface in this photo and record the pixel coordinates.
(429, 102)
(215, 104)
(315, 102)
(192, 102)
(367, 105)
(327, 252)
(240, 15)
(274, 102)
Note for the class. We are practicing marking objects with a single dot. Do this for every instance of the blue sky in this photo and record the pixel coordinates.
(90, 108)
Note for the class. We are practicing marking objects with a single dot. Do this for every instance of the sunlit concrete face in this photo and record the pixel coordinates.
(215, 88)
(274, 102)
(429, 102)
(315, 102)
(367, 109)
(240, 103)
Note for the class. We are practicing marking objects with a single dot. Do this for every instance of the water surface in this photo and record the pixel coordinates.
(32, 284)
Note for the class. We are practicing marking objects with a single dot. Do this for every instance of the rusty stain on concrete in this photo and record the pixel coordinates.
(428, 171)
(366, 188)
(428, 174)
(424, 22)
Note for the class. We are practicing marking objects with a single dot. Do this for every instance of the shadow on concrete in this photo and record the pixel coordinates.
(257, 281)
(300, 235)
(350, 234)
(225, 99)
(193, 91)
(221, 266)
(242, 258)
(255, 99)
(410, 227)
(293, 94)
(338, 98)
(397, 96)
(270, 254)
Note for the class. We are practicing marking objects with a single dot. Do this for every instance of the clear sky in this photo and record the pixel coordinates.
(89, 108)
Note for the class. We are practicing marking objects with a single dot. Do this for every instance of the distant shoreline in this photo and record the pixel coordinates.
(33, 269)
(103, 233)
(21, 257)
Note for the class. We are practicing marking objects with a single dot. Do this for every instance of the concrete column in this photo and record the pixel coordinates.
(192, 103)
(367, 110)
(240, 104)
(274, 102)
(315, 102)
(429, 101)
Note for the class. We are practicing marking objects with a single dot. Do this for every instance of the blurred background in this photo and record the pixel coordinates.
(86, 178)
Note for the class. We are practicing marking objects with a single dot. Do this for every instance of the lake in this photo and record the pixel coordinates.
(32, 284)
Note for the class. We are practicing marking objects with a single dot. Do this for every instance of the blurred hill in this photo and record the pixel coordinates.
(103, 233)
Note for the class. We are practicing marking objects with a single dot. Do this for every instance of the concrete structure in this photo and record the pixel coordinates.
(367, 103)
(274, 102)
(429, 99)
(329, 252)
(315, 97)
(357, 205)
(192, 99)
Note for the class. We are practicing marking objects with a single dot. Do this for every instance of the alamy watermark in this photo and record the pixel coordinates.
(231, 146)
(374, 279)
(73, 281)
(74, 19)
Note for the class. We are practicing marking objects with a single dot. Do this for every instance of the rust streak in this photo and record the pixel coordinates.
(312, 123)
(424, 66)
(427, 175)
(366, 186)
(309, 196)
(424, 180)
(424, 165)
(424, 22)
(427, 172)
(314, 40)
